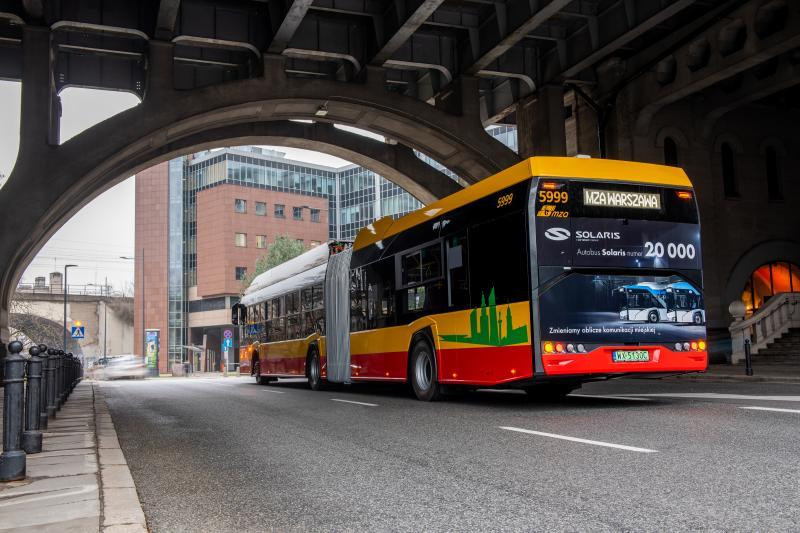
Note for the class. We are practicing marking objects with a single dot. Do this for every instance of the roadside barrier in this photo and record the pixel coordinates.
(34, 390)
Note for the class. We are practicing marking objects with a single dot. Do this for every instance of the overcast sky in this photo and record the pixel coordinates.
(101, 232)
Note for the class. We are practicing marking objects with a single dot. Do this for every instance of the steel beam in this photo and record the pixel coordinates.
(752, 89)
(653, 96)
(610, 43)
(166, 18)
(522, 17)
(292, 18)
(411, 22)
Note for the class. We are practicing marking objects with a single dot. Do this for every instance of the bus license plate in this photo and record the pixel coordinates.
(630, 356)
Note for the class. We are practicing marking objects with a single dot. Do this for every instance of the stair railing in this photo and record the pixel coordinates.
(767, 324)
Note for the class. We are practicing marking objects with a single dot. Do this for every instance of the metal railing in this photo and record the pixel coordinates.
(34, 389)
(77, 290)
(767, 324)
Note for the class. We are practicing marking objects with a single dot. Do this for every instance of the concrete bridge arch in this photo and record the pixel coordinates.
(51, 182)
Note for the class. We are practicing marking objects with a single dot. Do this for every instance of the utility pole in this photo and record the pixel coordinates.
(105, 321)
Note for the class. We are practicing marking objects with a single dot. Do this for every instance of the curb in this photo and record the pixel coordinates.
(739, 378)
(121, 510)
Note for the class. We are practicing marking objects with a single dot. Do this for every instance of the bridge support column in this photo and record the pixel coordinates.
(540, 123)
(40, 115)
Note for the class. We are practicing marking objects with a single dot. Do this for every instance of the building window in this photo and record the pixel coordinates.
(279, 210)
(728, 171)
(769, 280)
(240, 205)
(261, 209)
(670, 152)
(773, 178)
(314, 215)
(241, 272)
(241, 240)
(261, 241)
(297, 213)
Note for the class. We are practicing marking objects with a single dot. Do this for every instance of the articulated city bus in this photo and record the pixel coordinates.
(512, 282)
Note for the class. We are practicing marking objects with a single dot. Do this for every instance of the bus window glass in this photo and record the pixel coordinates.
(498, 260)
(457, 285)
(307, 298)
(358, 300)
(422, 265)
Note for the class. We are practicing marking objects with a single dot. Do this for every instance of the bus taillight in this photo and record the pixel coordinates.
(684, 195)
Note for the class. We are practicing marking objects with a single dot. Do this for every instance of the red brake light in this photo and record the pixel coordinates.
(684, 195)
(559, 347)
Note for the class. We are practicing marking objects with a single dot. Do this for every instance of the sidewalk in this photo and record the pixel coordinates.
(775, 373)
(80, 482)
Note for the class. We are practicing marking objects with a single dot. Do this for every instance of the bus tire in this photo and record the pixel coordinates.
(652, 317)
(261, 380)
(314, 370)
(423, 372)
(697, 318)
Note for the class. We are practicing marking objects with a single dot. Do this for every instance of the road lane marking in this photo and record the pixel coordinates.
(357, 403)
(273, 391)
(583, 441)
(611, 397)
(718, 396)
(776, 409)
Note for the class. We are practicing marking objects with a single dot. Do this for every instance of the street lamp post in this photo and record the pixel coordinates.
(65, 303)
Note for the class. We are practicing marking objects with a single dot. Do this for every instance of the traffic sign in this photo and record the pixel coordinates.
(77, 332)
(227, 344)
(228, 334)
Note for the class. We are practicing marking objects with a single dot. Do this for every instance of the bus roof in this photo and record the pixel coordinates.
(555, 167)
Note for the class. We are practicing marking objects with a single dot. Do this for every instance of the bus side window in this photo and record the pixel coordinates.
(457, 284)
(498, 260)
(358, 299)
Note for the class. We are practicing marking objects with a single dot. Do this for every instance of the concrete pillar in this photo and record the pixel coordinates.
(160, 58)
(40, 111)
(540, 123)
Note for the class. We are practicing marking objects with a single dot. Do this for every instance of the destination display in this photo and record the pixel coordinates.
(628, 199)
(619, 243)
(614, 309)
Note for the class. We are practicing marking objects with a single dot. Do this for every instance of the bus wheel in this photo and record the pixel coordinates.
(315, 380)
(423, 372)
(652, 316)
(697, 318)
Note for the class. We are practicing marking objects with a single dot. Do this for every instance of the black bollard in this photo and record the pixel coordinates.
(52, 360)
(71, 376)
(12, 460)
(43, 387)
(59, 379)
(32, 436)
(748, 361)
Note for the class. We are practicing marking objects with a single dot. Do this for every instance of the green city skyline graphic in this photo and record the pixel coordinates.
(488, 328)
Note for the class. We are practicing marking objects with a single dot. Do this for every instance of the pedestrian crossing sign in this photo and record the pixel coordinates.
(77, 332)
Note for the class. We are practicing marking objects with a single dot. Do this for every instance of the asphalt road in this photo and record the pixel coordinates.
(229, 455)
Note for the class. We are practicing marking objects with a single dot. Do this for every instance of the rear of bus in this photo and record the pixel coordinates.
(615, 259)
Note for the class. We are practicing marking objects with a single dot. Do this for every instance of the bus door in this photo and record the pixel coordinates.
(337, 317)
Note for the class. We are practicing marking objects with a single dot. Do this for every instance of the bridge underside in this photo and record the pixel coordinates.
(649, 80)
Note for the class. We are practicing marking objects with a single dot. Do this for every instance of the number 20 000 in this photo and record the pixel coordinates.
(680, 250)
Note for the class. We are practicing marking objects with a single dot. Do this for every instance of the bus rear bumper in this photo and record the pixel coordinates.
(600, 361)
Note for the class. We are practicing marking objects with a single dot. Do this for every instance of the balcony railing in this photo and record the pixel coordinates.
(767, 324)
